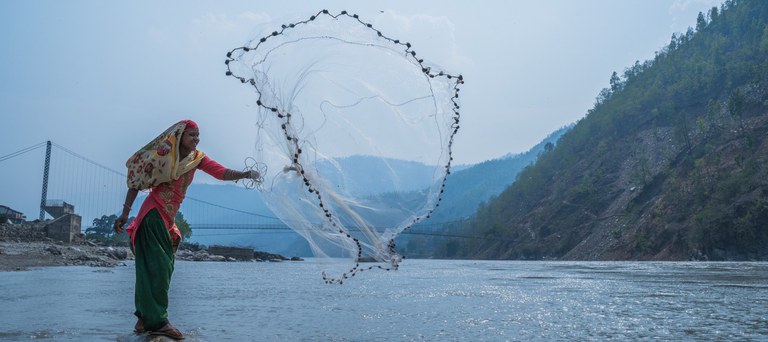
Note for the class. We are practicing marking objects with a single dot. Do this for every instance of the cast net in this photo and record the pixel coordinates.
(356, 131)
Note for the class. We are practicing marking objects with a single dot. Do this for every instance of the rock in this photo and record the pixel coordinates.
(296, 259)
(116, 253)
(53, 250)
(239, 253)
(217, 258)
(268, 256)
(185, 254)
(84, 257)
(201, 256)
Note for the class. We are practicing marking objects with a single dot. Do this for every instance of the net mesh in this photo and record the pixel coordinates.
(356, 132)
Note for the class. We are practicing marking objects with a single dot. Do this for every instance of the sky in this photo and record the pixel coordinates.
(102, 78)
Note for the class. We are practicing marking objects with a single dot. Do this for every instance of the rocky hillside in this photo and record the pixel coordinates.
(670, 164)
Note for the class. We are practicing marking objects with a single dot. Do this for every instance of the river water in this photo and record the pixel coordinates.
(426, 300)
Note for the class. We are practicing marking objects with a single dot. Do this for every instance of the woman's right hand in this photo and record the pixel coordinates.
(118, 227)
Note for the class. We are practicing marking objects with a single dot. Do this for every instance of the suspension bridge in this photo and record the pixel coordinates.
(96, 190)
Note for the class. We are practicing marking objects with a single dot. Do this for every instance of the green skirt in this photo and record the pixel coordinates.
(154, 267)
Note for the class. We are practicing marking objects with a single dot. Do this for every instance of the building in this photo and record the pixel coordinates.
(65, 225)
(9, 215)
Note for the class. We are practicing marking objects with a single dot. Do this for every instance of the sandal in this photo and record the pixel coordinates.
(168, 330)
(139, 327)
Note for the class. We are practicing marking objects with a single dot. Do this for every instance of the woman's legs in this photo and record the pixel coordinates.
(154, 267)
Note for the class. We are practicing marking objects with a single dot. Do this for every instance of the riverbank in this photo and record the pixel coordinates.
(19, 256)
(25, 246)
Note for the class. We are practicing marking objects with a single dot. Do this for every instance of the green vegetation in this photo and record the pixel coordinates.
(670, 163)
(183, 226)
(102, 230)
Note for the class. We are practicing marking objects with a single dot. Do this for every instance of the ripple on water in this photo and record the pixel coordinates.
(426, 300)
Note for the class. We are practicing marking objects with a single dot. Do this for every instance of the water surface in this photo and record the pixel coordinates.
(426, 300)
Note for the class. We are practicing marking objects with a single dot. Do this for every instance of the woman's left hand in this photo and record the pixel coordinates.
(252, 174)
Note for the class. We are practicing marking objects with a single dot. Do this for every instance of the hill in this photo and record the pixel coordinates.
(466, 191)
(225, 205)
(670, 164)
(470, 187)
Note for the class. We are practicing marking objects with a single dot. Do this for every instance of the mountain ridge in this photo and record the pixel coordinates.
(670, 164)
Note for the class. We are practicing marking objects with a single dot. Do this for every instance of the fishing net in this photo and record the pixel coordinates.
(355, 129)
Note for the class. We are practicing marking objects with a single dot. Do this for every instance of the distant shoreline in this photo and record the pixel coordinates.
(21, 256)
(25, 246)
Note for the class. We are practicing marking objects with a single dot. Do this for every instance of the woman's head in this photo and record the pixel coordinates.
(191, 136)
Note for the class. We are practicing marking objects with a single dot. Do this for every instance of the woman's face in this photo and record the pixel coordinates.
(190, 138)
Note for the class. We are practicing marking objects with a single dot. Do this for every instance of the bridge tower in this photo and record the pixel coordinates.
(44, 196)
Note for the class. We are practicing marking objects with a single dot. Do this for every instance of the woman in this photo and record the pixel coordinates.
(166, 166)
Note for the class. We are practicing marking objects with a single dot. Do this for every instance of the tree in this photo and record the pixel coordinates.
(615, 82)
(701, 22)
(549, 146)
(713, 14)
(764, 41)
(736, 104)
(673, 43)
(102, 227)
(183, 225)
(603, 96)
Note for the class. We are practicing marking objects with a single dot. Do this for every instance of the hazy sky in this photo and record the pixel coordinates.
(102, 78)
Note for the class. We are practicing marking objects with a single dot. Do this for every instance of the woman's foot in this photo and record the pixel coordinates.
(168, 330)
(139, 327)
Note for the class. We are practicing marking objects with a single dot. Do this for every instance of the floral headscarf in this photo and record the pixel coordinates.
(157, 162)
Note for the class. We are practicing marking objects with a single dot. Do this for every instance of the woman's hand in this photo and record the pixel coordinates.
(252, 174)
(118, 227)
(130, 196)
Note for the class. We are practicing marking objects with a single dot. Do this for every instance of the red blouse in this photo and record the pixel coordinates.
(167, 198)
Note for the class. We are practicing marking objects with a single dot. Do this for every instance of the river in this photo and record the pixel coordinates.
(426, 300)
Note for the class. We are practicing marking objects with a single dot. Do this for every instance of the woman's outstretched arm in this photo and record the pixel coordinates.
(220, 172)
